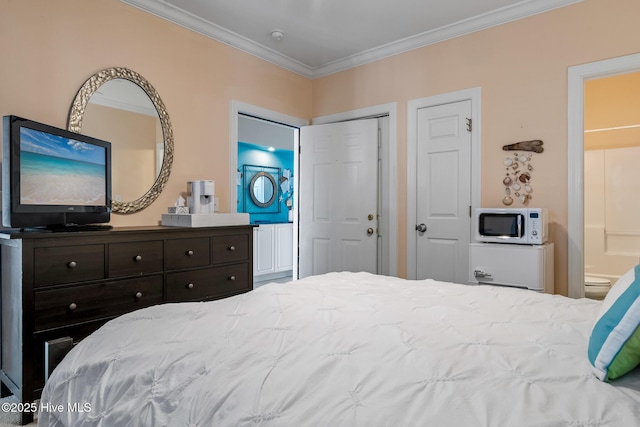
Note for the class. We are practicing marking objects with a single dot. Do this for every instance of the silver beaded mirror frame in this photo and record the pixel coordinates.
(76, 114)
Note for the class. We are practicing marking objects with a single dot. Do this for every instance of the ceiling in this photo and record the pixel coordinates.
(125, 95)
(322, 37)
(256, 131)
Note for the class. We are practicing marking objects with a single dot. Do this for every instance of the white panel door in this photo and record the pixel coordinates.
(338, 197)
(443, 192)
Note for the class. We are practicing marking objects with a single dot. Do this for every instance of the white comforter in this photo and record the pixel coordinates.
(344, 349)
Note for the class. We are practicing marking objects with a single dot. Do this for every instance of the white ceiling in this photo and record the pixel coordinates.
(267, 134)
(322, 37)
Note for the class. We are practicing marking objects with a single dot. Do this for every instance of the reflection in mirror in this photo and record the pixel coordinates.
(263, 189)
(121, 106)
(120, 111)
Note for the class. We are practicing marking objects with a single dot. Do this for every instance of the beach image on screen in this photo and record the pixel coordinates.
(60, 171)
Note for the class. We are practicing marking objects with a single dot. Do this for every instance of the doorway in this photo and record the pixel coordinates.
(272, 261)
(577, 76)
(611, 178)
(458, 268)
(388, 225)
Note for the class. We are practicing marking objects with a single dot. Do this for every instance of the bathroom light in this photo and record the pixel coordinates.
(271, 149)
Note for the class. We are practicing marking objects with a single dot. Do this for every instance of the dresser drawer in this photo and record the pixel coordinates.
(68, 264)
(67, 306)
(230, 248)
(208, 283)
(187, 253)
(131, 258)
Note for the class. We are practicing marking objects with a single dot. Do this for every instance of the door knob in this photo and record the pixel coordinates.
(421, 228)
(369, 231)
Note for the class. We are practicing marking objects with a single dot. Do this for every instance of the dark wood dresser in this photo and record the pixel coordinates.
(68, 284)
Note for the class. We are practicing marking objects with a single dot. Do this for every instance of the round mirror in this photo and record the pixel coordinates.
(120, 106)
(263, 189)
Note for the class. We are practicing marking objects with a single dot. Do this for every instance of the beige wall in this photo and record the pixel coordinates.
(50, 48)
(522, 70)
(612, 102)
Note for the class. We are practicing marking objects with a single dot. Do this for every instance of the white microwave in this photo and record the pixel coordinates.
(523, 226)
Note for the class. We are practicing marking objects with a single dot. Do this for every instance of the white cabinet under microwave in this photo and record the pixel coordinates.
(523, 266)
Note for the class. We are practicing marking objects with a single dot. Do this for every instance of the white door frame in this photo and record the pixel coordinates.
(577, 76)
(389, 182)
(238, 107)
(474, 95)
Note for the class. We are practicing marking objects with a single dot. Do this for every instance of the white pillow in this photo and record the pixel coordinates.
(614, 345)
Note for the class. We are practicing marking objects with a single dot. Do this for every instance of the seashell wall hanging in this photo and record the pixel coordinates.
(517, 180)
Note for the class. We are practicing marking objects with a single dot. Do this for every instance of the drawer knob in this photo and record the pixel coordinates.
(73, 306)
(72, 264)
(190, 286)
(138, 258)
(232, 278)
(138, 295)
(189, 253)
(232, 248)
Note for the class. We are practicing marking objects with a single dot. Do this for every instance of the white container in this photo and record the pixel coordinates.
(200, 197)
(523, 266)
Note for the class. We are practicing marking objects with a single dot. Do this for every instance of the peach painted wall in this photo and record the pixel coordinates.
(522, 70)
(612, 102)
(49, 48)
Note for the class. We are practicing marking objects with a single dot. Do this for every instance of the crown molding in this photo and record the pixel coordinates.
(500, 16)
(120, 105)
(192, 22)
(481, 22)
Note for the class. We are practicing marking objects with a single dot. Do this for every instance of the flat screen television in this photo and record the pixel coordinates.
(53, 178)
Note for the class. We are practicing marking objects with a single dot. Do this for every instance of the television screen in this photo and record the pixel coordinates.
(56, 170)
(53, 178)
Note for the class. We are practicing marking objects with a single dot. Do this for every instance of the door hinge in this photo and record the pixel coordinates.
(469, 211)
(469, 124)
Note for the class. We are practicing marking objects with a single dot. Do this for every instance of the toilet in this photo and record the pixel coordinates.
(596, 287)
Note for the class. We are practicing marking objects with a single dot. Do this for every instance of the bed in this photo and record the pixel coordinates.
(345, 349)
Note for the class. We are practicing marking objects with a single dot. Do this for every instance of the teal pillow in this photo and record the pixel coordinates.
(614, 345)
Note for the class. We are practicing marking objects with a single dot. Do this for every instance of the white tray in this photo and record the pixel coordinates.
(205, 220)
